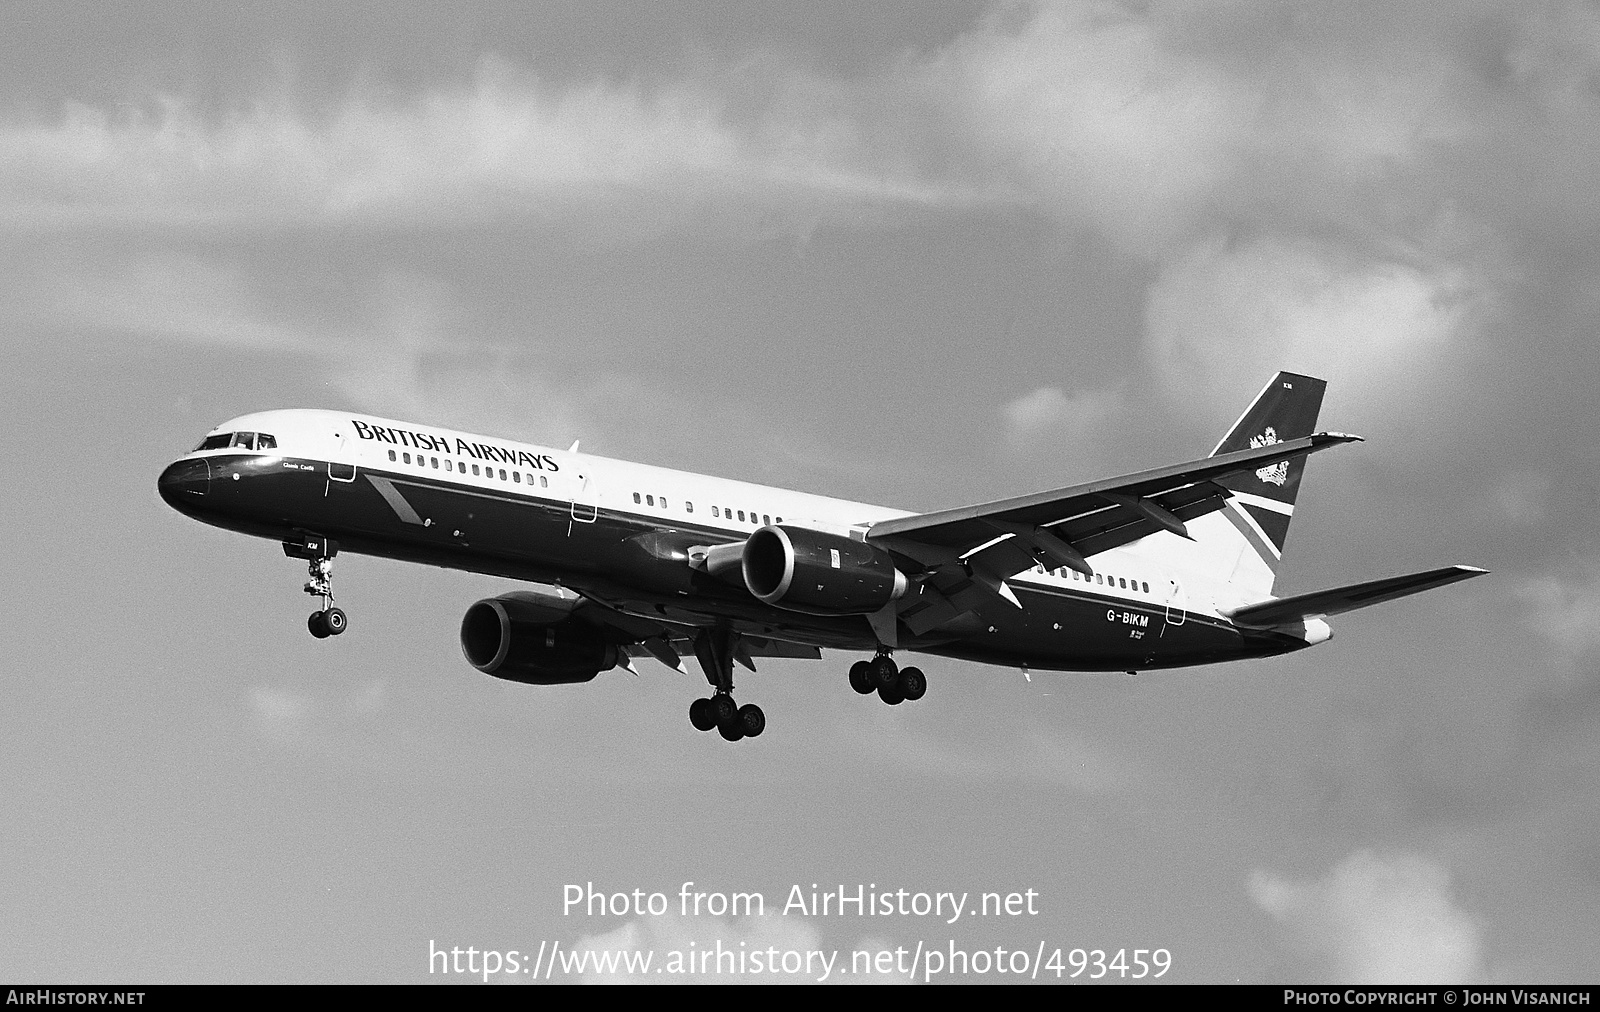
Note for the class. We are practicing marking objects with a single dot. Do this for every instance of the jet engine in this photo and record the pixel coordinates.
(522, 637)
(819, 573)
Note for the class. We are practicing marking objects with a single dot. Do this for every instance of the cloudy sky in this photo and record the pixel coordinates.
(913, 254)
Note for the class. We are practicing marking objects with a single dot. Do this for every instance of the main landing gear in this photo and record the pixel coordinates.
(716, 649)
(319, 553)
(731, 720)
(892, 683)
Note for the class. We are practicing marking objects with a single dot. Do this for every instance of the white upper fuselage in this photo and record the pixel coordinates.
(1151, 571)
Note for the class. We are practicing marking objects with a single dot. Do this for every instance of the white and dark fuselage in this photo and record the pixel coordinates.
(629, 536)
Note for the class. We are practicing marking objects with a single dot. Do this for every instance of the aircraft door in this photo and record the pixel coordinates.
(1177, 603)
(584, 508)
(338, 471)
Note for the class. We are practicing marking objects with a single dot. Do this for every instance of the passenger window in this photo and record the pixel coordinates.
(649, 500)
(544, 482)
(714, 512)
(780, 520)
(435, 461)
(636, 497)
(266, 442)
(1097, 578)
(407, 456)
(1147, 588)
(1123, 583)
(741, 516)
(766, 519)
(474, 468)
(688, 507)
(516, 476)
(391, 454)
(663, 502)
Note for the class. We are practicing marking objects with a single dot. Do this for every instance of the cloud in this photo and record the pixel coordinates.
(623, 159)
(1376, 919)
(1219, 311)
(705, 950)
(1085, 107)
(287, 717)
(403, 346)
(1048, 412)
(1565, 609)
(280, 715)
(1349, 190)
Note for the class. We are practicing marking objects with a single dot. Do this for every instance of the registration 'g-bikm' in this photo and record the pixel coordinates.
(1158, 569)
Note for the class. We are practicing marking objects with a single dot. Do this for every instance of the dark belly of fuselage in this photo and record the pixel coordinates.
(639, 563)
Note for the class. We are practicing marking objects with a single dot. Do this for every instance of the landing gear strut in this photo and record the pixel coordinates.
(892, 683)
(319, 553)
(716, 649)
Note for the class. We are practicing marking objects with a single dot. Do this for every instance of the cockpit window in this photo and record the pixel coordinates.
(241, 440)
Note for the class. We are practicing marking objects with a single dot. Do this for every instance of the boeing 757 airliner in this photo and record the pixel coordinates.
(1158, 569)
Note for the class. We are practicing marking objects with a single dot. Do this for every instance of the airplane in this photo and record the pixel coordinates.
(1162, 568)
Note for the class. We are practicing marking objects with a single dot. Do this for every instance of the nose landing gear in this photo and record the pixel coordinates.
(319, 553)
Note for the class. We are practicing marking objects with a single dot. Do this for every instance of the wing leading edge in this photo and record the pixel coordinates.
(966, 555)
(1067, 525)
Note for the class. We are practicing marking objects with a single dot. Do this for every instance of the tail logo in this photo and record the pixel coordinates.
(1272, 474)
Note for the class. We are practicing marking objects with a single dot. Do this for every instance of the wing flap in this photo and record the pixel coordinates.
(1342, 599)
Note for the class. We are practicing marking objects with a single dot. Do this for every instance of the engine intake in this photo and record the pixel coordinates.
(818, 573)
(524, 640)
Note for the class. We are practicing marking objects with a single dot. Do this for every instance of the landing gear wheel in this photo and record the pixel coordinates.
(913, 683)
(861, 677)
(335, 620)
(751, 720)
(732, 730)
(700, 715)
(885, 673)
(723, 710)
(891, 695)
(318, 625)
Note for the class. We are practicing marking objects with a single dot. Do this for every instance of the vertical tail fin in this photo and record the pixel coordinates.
(1262, 504)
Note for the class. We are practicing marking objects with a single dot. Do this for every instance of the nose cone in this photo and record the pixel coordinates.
(184, 484)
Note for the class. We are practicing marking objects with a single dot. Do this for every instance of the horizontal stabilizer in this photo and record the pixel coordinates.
(1342, 599)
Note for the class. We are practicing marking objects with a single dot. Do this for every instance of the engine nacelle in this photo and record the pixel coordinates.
(524, 638)
(818, 573)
